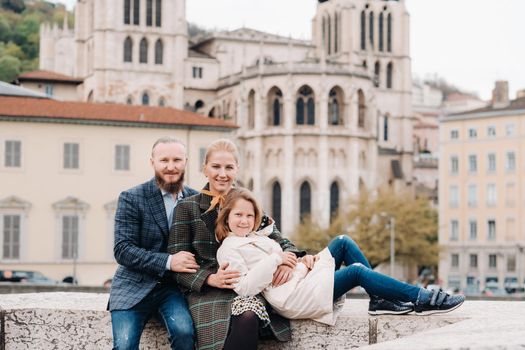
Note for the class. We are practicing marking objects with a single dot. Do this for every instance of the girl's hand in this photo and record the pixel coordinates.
(309, 261)
(224, 279)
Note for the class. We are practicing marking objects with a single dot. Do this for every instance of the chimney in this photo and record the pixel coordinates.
(500, 94)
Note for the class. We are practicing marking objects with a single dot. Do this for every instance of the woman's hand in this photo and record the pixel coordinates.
(224, 279)
(289, 259)
(309, 261)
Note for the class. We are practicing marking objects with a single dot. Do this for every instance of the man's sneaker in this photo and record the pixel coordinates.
(439, 303)
(379, 306)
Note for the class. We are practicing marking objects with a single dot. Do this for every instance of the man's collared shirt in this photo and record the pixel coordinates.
(169, 204)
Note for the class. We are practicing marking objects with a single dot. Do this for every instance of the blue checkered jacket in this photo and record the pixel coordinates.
(141, 238)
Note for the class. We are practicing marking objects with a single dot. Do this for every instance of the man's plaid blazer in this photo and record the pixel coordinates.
(193, 230)
(141, 237)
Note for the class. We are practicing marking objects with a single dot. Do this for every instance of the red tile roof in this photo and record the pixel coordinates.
(48, 76)
(41, 108)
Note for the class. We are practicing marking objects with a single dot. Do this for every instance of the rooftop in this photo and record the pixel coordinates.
(43, 75)
(43, 110)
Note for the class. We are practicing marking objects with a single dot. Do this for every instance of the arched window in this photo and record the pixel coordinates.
(389, 33)
(129, 100)
(385, 128)
(305, 201)
(275, 106)
(329, 25)
(159, 52)
(336, 33)
(128, 50)
(136, 12)
(389, 73)
(149, 13)
(158, 13)
(198, 104)
(381, 31)
(334, 201)
(377, 72)
(363, 30)
(162, 102)
(127, 11)
(250, 184)
(143, 55)
(90, 97)
(371, 29)
(145, 99)
(361, 109)
(305, 107)
(335, 104)
(251, 109)
(325, 39)
(211, 113)
(276, 203)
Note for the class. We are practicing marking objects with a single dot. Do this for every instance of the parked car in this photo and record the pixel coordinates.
(34, 277)
(492, 289)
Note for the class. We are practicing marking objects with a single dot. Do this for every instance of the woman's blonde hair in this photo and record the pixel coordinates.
(222, 145)
(221, 228)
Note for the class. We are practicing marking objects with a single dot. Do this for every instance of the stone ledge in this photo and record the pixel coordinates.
(79, 321)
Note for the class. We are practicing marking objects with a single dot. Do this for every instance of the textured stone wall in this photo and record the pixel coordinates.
(80, 321)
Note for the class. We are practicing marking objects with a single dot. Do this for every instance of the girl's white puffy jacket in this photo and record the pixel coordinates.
(309, 294)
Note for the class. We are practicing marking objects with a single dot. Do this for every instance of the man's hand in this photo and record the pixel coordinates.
(224, 279)
(282, 275)
(183, 262)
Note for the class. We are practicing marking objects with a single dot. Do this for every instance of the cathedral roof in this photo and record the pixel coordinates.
(13, 90)
(248, 34)
(43, 75)
(41, 110)
(199, 54)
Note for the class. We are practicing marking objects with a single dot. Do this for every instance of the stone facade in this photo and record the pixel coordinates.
(318, 119)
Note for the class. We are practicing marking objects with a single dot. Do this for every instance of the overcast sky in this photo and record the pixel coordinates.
(470, 43)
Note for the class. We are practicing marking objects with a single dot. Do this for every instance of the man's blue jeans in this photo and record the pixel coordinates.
(358, 272)
(172, 310)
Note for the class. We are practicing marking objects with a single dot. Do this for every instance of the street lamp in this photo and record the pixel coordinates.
(392, 226)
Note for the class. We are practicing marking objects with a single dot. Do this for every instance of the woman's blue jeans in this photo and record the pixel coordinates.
(358, 272)
(169, 305)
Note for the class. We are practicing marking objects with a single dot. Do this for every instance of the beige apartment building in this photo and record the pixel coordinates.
(63, 165)
(482, 195)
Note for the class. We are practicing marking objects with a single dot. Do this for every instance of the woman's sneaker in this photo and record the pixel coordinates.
(439, 303)
(378, 306)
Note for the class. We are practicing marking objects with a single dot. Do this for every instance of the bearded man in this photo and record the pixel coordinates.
(143, 285)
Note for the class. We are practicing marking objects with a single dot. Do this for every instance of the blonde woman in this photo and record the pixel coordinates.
(210, 290)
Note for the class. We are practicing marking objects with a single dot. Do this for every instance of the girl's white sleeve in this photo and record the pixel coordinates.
(253, 280)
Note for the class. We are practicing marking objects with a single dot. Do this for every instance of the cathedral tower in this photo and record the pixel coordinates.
(131, 51)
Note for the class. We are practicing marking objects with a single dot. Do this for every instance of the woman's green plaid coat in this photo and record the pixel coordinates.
(193, 230)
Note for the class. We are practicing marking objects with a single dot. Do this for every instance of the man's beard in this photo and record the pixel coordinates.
(170, 187)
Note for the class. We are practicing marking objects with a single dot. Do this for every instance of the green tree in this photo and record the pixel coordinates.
(9, 68)
(416, 227)
(366, 220)
(14, 5)
(5, 28)
(12, 49)
(311, 237)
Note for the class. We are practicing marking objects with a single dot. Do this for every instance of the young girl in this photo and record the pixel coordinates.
(307, 295)
(317, 280)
